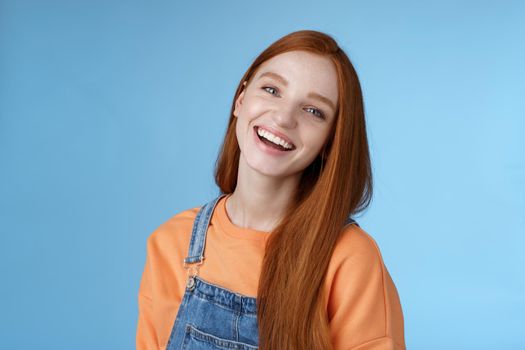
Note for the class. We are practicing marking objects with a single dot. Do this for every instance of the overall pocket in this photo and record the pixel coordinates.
(195, 339)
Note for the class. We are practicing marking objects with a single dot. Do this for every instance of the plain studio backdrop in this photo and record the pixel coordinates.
(112, 114)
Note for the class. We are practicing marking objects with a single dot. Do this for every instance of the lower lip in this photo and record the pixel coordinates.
(265, 148)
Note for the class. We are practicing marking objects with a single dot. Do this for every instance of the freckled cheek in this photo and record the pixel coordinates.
(254, 108)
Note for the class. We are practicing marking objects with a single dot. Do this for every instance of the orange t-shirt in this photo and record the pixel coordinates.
(363, 305)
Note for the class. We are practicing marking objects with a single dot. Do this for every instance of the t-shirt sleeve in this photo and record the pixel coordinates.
(364, 309)
(146, 338)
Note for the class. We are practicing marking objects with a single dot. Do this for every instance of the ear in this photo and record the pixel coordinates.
(239, 101)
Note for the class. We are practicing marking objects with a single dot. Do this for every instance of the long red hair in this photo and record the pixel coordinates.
(291, 302)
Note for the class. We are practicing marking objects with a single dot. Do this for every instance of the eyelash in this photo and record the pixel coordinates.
(319, 113)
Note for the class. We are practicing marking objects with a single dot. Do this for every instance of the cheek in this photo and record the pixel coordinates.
(242, 131)
(317, 138)
(238, 131)
(251, 108)
(245, 120)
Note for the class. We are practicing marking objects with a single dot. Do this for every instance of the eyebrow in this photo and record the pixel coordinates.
(314, 95)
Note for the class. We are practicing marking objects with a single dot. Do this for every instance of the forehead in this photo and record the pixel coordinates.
(305, 70)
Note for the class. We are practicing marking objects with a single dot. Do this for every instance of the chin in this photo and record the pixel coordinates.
(267, 169)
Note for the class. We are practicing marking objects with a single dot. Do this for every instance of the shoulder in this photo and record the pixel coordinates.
(166, 247)
(176, 229)
(356, 263)
(358, 245)
(356, 269)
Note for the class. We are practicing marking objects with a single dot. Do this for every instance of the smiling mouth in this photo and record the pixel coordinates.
(273, 141)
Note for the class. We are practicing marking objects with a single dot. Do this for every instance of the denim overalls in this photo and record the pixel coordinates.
(211, 317)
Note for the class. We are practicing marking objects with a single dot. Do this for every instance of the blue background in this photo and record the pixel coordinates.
(112, 113)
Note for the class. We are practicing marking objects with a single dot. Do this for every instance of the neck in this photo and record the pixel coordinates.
(259, 201)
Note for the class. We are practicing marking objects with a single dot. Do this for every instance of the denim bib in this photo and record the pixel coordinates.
(209, 316)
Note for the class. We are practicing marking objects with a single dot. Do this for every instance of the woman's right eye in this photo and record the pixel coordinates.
(270, 89)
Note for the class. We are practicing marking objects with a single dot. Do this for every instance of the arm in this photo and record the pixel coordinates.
(146, 338)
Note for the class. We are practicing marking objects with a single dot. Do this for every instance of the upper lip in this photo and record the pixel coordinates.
(276, 133)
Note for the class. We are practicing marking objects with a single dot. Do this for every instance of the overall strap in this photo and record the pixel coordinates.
(200, 227)
(198, 234)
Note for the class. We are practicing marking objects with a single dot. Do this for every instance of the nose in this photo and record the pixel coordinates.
(285, 117)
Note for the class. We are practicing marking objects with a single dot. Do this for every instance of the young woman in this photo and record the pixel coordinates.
(275, 261)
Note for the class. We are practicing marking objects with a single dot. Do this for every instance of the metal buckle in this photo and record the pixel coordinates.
(192, 270)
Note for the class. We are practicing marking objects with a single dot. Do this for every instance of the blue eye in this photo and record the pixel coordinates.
(316, 112)
(267, 88)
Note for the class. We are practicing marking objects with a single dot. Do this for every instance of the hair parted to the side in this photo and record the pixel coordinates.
(291, 300)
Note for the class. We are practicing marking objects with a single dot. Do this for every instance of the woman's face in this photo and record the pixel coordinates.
(285, 114)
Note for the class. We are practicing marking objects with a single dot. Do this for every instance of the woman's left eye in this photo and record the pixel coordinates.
(316, 112)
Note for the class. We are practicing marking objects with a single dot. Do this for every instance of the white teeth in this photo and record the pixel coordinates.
(275, 139)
